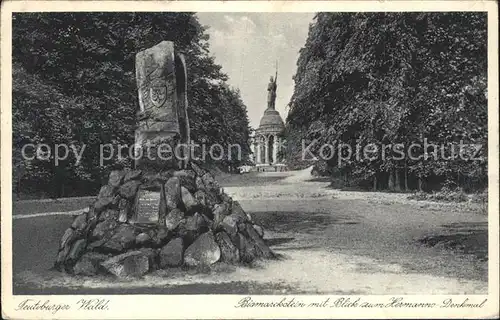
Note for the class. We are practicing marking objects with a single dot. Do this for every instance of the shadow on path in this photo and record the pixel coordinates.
(298, 221)
(466, 237)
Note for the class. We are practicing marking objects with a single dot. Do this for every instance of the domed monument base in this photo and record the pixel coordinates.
(278, 167)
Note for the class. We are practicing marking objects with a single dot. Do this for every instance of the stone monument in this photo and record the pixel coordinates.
(161, 214)
(161, 85)
(267, 142)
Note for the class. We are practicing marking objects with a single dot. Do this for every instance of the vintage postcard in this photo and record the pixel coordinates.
(249, 159)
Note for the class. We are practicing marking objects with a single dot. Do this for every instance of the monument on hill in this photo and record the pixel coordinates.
(163, 213)
(267, 140)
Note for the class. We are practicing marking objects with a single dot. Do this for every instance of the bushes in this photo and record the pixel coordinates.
(482, 199)
(445, 195)
(321, 169)
(478, 200)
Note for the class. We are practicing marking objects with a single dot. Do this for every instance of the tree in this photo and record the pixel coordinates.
(389, 78)
(74, 82)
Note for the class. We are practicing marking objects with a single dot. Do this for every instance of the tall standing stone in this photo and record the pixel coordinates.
(161, 84)
(163, 124)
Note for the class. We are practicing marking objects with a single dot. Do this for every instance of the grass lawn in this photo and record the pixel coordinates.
(62, 205)
(71, 204)
(246, 179)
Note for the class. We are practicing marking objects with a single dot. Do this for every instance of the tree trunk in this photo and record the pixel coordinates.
(18, 191)
(397, 186)
(419, 183)
(375, 182)
(62, 193)
(406, 176)
(391, 180)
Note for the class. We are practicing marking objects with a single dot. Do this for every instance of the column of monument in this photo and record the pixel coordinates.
(275, 149)
(266, 150)
(257, 151)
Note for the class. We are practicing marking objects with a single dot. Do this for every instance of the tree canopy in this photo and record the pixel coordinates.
(389, 78)
(74, 83)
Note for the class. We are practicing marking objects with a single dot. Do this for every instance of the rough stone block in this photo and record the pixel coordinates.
(197, 169)
(132, 175)
(67, 238)
(246, 248)
(122, 239)
(261, 249)
(229, 252)
(109, 214)
(196, 223)
(80, 222)
(89, 264)
(173, 219)
(129, 189)
(130, 264)
(104, 228)
(259, 230)
(187, 179)
(77, 249)
(188, 201)
(124, 207)
(203, 251)
(173, 193)
(102, 203)
(115, 178)
(152, 255)
(171, 255)
(143, 239)
(61, 257)
(106, 191)
(162, 236)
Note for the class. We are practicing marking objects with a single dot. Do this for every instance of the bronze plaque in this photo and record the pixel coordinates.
(147, 207)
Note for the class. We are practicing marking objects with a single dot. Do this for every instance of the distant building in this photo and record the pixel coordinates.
(267, 143)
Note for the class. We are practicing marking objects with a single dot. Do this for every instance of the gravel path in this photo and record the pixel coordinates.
(330, 242)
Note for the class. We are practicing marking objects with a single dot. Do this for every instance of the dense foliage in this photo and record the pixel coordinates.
(74, 83)
(394, 78)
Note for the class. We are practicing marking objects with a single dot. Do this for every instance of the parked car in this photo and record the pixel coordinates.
(245, 169)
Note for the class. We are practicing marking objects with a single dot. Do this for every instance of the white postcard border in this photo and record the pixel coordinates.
(225, 306)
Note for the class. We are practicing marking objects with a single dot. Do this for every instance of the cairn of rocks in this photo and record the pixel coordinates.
(198, 225)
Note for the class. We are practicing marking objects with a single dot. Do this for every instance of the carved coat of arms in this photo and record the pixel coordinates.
(158, 95)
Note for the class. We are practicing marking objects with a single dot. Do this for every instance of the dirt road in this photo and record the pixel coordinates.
(330, 242)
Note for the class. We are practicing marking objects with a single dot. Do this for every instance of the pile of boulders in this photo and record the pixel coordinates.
(198, 225)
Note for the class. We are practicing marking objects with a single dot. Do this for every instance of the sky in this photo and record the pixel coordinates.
(247, 45)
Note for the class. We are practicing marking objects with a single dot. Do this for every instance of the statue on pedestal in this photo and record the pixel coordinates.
(271, 87)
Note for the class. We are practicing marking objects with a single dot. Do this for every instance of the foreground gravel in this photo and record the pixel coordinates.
(329, 241)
